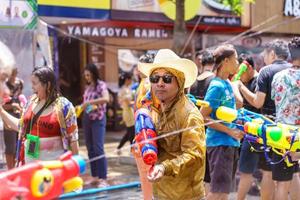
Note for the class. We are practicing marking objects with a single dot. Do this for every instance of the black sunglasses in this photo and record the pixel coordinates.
(166, 78)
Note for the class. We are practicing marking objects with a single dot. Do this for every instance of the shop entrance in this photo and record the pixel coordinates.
(69, 69)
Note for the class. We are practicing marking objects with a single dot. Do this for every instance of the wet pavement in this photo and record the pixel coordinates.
(122, 169)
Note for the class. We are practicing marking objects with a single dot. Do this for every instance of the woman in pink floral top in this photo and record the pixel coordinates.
(94, 122)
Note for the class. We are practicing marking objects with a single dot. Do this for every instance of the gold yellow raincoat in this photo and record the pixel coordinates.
(182, 154)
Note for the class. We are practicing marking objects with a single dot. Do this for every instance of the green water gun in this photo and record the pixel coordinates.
(281, 138)
(243, 69)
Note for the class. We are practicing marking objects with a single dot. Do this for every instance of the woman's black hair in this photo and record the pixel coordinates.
(279, 47)
(207, 58)
(123, 77)
(92, 68)
(294, 47)
(47, 77)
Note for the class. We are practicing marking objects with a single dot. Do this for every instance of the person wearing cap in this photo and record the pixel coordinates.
(179, 171)
(222, 140)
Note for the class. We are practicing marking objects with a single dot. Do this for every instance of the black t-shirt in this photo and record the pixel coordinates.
(264, 84)
(200, 87)
(251, 85)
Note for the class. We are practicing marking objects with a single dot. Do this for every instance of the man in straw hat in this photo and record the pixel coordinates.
(179, 172)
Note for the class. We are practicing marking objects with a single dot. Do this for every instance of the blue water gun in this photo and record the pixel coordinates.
(144, 134)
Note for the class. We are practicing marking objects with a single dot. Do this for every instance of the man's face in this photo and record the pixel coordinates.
(88, 77)
(268, 57)
(38, 87)
(166, 88)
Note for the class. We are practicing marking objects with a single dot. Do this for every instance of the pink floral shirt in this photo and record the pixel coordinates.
(91, 93)
(286, 94)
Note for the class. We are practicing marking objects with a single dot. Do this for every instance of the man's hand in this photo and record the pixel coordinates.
(239, 84)
(155, 173)
(16, 107)
(295, 156)
(236, 84)
(85, 105)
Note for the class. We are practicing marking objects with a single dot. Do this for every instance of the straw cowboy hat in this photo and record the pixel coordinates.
(166, 58)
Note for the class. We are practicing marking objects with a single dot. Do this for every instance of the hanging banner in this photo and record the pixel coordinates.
(88, 9)
(95, 4)
(18, 14)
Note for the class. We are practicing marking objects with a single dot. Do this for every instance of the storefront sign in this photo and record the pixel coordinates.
(228, 21)
(95, 31)
(292, 8)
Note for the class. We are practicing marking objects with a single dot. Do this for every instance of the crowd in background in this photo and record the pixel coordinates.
(49, 120)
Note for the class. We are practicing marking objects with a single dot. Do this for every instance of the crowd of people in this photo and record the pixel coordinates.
(200, 162)
(223, 149)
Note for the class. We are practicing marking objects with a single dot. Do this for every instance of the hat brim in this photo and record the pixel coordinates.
(186, 66)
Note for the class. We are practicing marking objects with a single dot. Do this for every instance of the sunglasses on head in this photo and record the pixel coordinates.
(166, 78)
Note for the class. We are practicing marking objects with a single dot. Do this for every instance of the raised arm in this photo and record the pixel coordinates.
(11, 121)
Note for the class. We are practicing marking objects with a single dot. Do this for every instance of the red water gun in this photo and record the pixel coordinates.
(43, 179)
(144, 132)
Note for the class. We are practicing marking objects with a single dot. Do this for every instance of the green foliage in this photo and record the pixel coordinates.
(236, 5)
